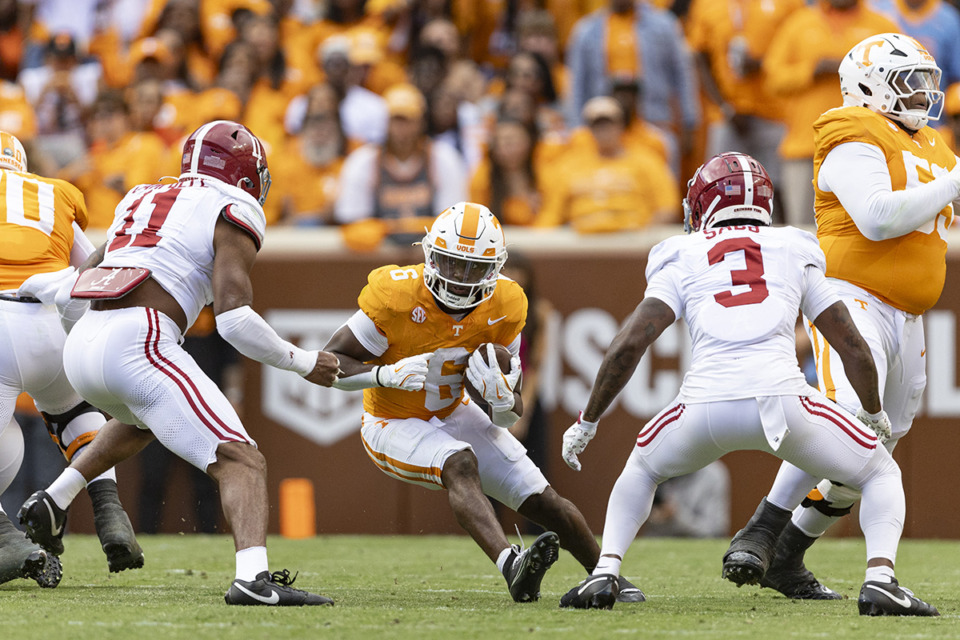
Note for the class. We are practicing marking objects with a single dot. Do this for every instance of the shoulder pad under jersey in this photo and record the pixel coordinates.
(249, 218)
(664, 253)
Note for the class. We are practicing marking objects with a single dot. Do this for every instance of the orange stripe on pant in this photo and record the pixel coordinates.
(822, 356)
(402, 470)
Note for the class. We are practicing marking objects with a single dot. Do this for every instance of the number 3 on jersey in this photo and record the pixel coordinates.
(146, 215)
(752, 276)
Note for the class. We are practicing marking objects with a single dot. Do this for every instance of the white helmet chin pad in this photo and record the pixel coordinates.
(895, 76)
(463, 253)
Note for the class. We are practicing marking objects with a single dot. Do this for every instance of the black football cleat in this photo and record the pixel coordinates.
(526, 569)
(890, 599)
(114, 530)
(596, 592)
(21, 558)
(752, 548)
(629, 592)
(272, 589)
(44, 521)
(787, 573)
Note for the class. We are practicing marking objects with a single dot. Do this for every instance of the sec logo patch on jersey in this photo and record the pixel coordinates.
(418, 315)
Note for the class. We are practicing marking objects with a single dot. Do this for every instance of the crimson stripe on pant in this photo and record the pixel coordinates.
(866, 439)
(667, 418)
(153, 343)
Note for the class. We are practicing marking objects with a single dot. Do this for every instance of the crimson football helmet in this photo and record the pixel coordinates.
(728, 186)
(463, 253)
(229, 152)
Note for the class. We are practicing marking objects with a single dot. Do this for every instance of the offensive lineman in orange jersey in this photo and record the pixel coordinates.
(41, 222)
(885, 185)
(409, 346)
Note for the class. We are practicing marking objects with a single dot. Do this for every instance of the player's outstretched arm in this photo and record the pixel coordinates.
(838, 328)
(648, 321)
(408, 374)
(241, 326)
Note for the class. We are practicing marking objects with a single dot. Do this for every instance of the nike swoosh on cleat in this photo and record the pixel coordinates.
(491, 321)
(53, 520)
(903, 601)
(273, 599)
(588, 583)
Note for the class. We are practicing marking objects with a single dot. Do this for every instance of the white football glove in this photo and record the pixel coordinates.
(879, 423)
(495, 386)
(575, 440)
(408, 374)
(44, 286)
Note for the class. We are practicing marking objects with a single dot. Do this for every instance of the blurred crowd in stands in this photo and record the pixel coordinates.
(380, 113)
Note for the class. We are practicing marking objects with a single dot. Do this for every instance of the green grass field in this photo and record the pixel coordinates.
(443, 587)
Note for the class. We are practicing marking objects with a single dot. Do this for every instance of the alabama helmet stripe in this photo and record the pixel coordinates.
(747, 178)
(198, 143)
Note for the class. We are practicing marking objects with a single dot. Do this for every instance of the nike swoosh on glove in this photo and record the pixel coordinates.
(44, 286)
(495, 386)
(879, 423)
(575, 440)
(408, 374)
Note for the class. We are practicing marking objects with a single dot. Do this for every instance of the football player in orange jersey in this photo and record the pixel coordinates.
(41, 235)
(885, 185)
(415, 336)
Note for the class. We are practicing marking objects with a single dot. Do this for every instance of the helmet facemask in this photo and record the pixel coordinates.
(463, 253)
(907, 83)
(886, 72)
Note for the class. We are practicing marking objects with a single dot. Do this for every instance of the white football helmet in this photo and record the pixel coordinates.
(884, 71)
(12, 155)
(463, 253)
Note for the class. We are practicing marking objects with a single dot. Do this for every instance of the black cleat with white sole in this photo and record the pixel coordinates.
(44, 521)
(596, 592)
(525, 570)
(272, 589)
(890, 599)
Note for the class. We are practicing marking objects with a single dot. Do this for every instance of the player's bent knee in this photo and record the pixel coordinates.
(231, 455)
(460, 466)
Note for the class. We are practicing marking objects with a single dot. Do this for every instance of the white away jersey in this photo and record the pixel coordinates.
(168, 228)
(739, 289)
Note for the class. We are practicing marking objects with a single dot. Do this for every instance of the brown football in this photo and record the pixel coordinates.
(503, 359)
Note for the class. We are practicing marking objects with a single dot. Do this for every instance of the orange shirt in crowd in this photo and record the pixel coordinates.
(712, 26)
(515, 210)
(137, 159)
(16, 115)
(301, 193)
(597, 194)
(806, 37)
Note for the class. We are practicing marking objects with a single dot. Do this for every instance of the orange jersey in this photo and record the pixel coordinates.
(36, 225)
(907, 272)
(403, 309)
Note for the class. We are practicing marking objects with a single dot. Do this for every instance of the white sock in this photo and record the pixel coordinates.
(251, 562)
(109, 474)
(879, 574)
(608, 565)
(66, 487)
(503, 557)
